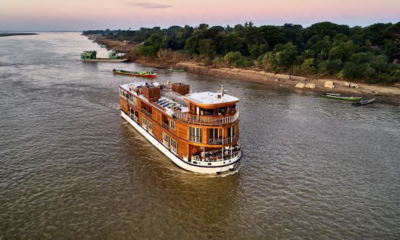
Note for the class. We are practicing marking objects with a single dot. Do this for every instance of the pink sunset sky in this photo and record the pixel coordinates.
(43, 15)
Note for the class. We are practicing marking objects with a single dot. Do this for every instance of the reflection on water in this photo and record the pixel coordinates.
(70, 167)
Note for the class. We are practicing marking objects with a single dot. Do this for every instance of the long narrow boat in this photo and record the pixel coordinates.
(199, 132)
(340, 97)
(148, 74)
(176, 69)
(109, 60)
(363, 102)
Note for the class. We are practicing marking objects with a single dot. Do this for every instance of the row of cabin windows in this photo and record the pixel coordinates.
(211, 112)
(170, 143)
(134, 114)
(147, 125)
(129, 96)
(195, 134)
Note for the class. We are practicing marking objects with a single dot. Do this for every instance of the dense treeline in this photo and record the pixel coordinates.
(106, 32)
(324, 48)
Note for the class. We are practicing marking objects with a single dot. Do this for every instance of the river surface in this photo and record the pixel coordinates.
(71, 168)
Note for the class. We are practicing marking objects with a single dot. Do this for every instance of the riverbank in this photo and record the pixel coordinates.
(384, 94)
(118, 46)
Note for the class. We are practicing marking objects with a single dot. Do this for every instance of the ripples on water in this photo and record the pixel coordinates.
(70, 167)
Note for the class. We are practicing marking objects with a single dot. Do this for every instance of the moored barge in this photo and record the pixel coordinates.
(199, 132)
(91, 56)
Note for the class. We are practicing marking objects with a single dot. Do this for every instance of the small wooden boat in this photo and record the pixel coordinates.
(148, 74)
(176, 69)
(340, 97)
(363, 102)
(109, 60)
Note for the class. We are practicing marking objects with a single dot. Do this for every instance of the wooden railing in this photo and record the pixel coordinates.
(121, 94)
(196, 139)
(217, 156)
(220, 141)
(131, 102)
(212, 120)
(147, 113)
(165, 125)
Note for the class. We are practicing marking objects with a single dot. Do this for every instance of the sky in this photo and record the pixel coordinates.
(78, 15)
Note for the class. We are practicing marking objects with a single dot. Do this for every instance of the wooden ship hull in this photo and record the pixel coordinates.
(363, 102)
(200, 136)
(145, 74)
(340, 97)
(115, 60)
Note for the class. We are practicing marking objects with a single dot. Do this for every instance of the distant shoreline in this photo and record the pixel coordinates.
(384, 94)
(16, 34)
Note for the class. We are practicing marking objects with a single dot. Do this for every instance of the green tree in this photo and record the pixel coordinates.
(294, 33)
(236, 59)
(331, 67)
(192, 46)
(287, 55)
(206, 49)
(323, 29)
(337, 52)
(377, 32)
(273, 35)
(308, 65)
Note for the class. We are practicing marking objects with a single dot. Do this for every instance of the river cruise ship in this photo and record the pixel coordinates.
(199, 132)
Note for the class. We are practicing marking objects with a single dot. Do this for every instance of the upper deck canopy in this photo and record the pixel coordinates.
(211, 98)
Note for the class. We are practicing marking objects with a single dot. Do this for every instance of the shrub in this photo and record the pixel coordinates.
(236, 59)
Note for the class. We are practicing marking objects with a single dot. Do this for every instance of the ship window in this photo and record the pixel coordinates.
(174, 146)
(208, 112)
(133, 101)
(172, 124)
(195, 134)
(150, 127)
(144, 123)
(166, 139)
(221, 110)
(214, 133)
(231, 134)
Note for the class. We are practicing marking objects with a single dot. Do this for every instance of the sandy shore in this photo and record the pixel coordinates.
(383, 94)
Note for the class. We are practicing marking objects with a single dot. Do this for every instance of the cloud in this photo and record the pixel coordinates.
(149, 5)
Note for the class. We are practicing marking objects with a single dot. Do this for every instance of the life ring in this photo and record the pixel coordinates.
(194, 150)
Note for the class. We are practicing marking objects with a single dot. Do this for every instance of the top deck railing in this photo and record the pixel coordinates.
(207, 120)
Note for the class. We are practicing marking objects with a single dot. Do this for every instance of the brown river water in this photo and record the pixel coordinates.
(71, 168)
